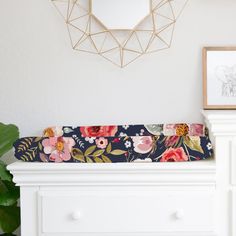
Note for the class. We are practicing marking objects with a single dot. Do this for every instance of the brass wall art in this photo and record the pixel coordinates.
(120, 46)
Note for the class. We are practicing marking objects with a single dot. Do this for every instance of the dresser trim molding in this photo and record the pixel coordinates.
(220, 123)
(159, 174)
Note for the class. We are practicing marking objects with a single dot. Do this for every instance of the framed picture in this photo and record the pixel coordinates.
(219, 77)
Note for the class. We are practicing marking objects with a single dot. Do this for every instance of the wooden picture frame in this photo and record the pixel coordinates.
(219, 78)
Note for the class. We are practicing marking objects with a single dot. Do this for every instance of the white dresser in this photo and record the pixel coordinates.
(222, 125)
(117, 199)
(134, 199)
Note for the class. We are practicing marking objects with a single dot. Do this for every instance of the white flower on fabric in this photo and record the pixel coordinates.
(122, 134)
(127, 144)
(209, 146)
(141, 131)
(90, 140)
(67, 130)
(125, 126)
(137, 134)
(55, 131)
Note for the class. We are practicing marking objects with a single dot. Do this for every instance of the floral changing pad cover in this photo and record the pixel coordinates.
(126, 143)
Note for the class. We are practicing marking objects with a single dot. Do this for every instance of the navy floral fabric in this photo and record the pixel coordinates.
(126, 143)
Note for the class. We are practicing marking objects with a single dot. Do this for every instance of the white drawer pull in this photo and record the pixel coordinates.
(76, 215)
(179, 214)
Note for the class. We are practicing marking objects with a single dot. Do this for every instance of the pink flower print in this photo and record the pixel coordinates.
(171, 140)
(142, 144)
(101, 143)
(59, 148)
(196, 130)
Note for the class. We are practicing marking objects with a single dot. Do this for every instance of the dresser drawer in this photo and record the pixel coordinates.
(125, 211)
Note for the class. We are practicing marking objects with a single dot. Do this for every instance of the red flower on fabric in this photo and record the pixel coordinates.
(116, 140)
(98, 131)
(174, 155)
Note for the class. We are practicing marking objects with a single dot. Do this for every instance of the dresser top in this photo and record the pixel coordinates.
(220, 114)
(38, 166)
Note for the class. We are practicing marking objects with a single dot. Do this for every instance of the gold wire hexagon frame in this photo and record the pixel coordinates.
(121, 46)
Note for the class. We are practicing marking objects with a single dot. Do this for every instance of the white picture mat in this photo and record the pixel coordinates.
(120, 14)
(216, 62)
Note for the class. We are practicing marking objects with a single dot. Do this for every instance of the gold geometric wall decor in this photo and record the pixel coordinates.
(120, 46)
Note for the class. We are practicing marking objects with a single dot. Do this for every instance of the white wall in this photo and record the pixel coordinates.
(44, 82)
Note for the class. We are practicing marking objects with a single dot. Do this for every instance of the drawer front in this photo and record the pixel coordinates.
(127, 211)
